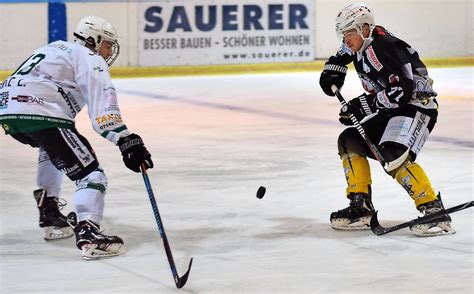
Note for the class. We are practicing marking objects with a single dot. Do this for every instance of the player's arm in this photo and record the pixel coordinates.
(95, 83)
(335, 69)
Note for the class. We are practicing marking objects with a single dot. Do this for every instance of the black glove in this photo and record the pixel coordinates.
(134, 152)
(359, 107)
(333, 74)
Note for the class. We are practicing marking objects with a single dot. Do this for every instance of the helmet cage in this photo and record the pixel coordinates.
(115, 52)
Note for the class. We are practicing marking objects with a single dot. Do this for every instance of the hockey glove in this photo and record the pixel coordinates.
(333, 74)
(134, 152)
(359, 107)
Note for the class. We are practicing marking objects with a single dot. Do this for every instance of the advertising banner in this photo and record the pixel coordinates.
(211, 32)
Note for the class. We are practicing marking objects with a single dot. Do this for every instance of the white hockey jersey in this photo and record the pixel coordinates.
(53, 85)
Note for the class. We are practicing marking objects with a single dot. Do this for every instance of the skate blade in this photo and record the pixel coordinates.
(345, 224)
(56, 233)
(429, 230)
(91, 252)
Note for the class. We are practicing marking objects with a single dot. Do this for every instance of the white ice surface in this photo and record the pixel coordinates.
(214, 141)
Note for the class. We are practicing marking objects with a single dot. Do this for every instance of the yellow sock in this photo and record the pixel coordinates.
(357, 171)
(414, 180)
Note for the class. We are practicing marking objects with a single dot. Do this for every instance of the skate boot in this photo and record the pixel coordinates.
(435, 227)
(92, 243)
(50, 218)
(355, 217)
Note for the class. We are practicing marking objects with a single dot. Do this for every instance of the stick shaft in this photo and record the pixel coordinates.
(178, 281)
(159, 222)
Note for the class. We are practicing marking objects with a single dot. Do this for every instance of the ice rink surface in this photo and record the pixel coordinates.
(214, 141)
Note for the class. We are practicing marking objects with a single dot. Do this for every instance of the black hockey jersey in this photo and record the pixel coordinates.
(390, 71)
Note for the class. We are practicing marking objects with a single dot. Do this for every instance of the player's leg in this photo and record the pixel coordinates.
(49, 183)
(71, 153)
(51, 219)
(411, 131)
(353, 152)
(89, 201)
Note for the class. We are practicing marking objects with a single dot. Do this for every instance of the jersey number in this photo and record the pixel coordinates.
(29, 64)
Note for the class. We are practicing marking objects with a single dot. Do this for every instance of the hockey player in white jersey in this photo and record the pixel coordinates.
(39, 103)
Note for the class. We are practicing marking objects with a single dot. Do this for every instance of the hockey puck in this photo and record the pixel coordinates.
(261, 192)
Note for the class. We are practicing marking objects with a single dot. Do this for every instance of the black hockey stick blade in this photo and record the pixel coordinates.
(378, 230)
(375, 226)
(181, 281)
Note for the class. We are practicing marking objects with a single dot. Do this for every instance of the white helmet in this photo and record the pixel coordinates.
(354, 16)
(92, 31)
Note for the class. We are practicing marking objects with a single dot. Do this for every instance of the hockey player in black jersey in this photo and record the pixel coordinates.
(398, 112)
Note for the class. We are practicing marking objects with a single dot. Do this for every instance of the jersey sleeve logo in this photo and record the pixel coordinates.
(373, 58)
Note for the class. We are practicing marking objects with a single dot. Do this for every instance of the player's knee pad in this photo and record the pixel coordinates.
(95, 180)
(90, 195)
(351, 141)
(395, 155)
(414, 180)
(357, 172)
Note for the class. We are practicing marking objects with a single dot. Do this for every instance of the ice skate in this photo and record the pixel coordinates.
(435, 227)
(92, 243)
(50, 218)
(355, 217)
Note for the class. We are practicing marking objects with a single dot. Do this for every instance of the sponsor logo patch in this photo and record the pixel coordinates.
(28, 99)
(421, 124)
(3, 100)
(373, 58)
(108, 120)
(70, 169)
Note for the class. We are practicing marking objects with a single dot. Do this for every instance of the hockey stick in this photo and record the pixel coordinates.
(180, 281)
(379, 230)
(372, 147)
